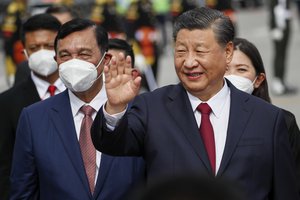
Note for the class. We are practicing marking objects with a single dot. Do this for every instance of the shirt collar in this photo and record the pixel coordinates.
(96, 103)
(216, 102)
(42, 86)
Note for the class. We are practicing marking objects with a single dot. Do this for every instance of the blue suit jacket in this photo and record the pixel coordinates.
(161, 126)
(47, 158)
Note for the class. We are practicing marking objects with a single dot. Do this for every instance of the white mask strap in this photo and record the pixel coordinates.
(25, 53)
(98, 66)
(254, 80)
(101, 61)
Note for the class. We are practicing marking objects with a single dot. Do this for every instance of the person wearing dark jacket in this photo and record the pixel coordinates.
(246, 71)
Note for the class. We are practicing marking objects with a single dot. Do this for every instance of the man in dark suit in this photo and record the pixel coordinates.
(38, 35)
(54, 155)
(243, 138)
(63, 14)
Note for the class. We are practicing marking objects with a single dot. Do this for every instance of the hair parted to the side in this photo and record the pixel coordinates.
(206, 18)
(79, 24)
(40, 22)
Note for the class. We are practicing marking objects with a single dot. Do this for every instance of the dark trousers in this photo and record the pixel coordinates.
(281, 52)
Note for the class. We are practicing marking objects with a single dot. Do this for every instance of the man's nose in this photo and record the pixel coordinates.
(190, 61)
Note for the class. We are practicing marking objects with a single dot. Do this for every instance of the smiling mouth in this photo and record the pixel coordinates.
(195, 74)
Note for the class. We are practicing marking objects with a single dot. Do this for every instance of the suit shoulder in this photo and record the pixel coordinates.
(41, 105)
(288, 114)
(10, 94)
(162, 91)
(262, 104)
(289, 118)
(49, 102)
(253, 102)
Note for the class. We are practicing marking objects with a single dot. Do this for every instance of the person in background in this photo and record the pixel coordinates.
(63, 14)
(15, 13)
(280, 25)
(105, 13)
(143, 37)
(38, 35)
(162, 14)
(54, 155)
(116, 46)
(203, 124)
(225, 6)
(246, 71)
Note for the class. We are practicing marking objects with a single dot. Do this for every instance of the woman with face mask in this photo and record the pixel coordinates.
(246, 72)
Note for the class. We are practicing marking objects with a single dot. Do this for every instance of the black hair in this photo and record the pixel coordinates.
(120, 44)
(253, 54)
(40, 22)
(79, 24)
(205, 18)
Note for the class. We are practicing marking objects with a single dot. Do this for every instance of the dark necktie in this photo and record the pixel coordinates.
(88, 150)
(207, 134)
(51, 89)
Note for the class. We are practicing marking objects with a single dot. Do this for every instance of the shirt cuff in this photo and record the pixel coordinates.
(113, 120)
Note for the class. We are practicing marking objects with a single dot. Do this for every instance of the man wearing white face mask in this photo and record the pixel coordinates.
(38, 35)
(53, 153)
(63, 14)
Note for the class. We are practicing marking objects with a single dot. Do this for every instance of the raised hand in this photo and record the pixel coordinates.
(120, 83)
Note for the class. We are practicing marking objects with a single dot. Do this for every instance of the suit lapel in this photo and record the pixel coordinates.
(180, 108)
(103, 172)
(238, 117)
(61, 116)
(30, 92)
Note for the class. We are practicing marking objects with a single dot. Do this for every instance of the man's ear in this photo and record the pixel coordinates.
(229, 51)
(107, 58)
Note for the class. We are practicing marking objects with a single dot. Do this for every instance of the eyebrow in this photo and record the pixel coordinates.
(77, 51)
(243, 65)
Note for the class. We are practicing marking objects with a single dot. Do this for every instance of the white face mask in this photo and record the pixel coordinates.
(42, 62)
(241, 83)
(79, 75)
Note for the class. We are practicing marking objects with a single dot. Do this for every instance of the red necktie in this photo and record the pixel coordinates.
(51, 89)
(207, 134)
(87, 148)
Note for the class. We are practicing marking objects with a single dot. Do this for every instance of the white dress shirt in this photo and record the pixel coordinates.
(220, 105)
(42, 86)
(96, 103)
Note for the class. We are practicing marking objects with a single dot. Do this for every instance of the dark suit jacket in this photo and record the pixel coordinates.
(161, 126)
(12, 102)
(294, 138)
(47, 158)
(22, 72)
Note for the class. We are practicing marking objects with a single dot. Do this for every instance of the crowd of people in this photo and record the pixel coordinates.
(89, 123)
(142, 23)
